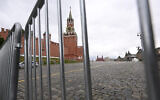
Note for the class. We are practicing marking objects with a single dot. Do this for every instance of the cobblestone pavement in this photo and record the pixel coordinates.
(110, 81)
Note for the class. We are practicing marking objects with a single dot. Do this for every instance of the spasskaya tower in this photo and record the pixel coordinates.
(71, 50)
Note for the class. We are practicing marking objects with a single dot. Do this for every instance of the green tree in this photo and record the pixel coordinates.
(1, 41)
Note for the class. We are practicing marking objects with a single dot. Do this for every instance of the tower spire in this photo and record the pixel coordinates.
(70, 24)
(70, 13)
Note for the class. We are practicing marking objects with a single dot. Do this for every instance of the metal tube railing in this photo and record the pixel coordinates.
(40, 53)
(11, 62)
(87, 72)
(26, 71)
(150, 60)
(15, 59)
(9, 58)
(30, 62)
(48, 49)
(34, 60)
(62, 70)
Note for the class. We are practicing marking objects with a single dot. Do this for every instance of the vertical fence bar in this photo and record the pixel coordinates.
(40, 53)
(61, 50)
(9, 69)
(48, 48)
(9, 58)
(30, 63)
(150, 60)
(87, 72)
(34, 60)
(26, 71)
(15, 58)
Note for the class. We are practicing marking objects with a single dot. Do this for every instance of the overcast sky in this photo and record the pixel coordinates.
(112, 24)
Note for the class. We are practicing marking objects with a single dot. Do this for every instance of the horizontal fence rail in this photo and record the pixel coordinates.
(9, 58)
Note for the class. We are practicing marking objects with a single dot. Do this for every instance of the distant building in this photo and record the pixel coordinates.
(140, 57)
(108, 59)
(139, 54)
(99, 59)
(71, 50)
(4, 33)
(129, 57)
(119, 59)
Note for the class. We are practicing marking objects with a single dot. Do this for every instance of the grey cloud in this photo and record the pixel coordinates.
(112, 24)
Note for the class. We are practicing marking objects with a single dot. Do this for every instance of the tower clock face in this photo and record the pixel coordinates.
(69, 28)
(71, 24)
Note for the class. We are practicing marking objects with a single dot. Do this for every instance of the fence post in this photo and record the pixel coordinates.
(48, 49)
(15, 59)
(150, 59)
(26, 71)
(34, 59)
(61, 49)
(40, 53)
(30, 62)
(87, 72)
(9, 63)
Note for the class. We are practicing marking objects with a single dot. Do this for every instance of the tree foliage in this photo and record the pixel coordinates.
(1, 41)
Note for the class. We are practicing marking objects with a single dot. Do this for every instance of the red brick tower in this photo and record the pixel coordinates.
(44, 44)
(70, 39)
(4, 33)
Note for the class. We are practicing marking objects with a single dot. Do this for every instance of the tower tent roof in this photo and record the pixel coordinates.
(70, 14)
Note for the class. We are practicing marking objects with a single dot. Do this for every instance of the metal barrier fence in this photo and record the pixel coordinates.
(151, 66)
(9, 58)
(28, 52)
(10, 52)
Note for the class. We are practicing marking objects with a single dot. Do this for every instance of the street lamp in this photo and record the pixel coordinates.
(141, 37)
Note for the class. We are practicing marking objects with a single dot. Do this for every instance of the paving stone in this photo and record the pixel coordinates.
(111, 81)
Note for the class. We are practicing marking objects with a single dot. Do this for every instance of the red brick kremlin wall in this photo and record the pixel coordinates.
(71, 50)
